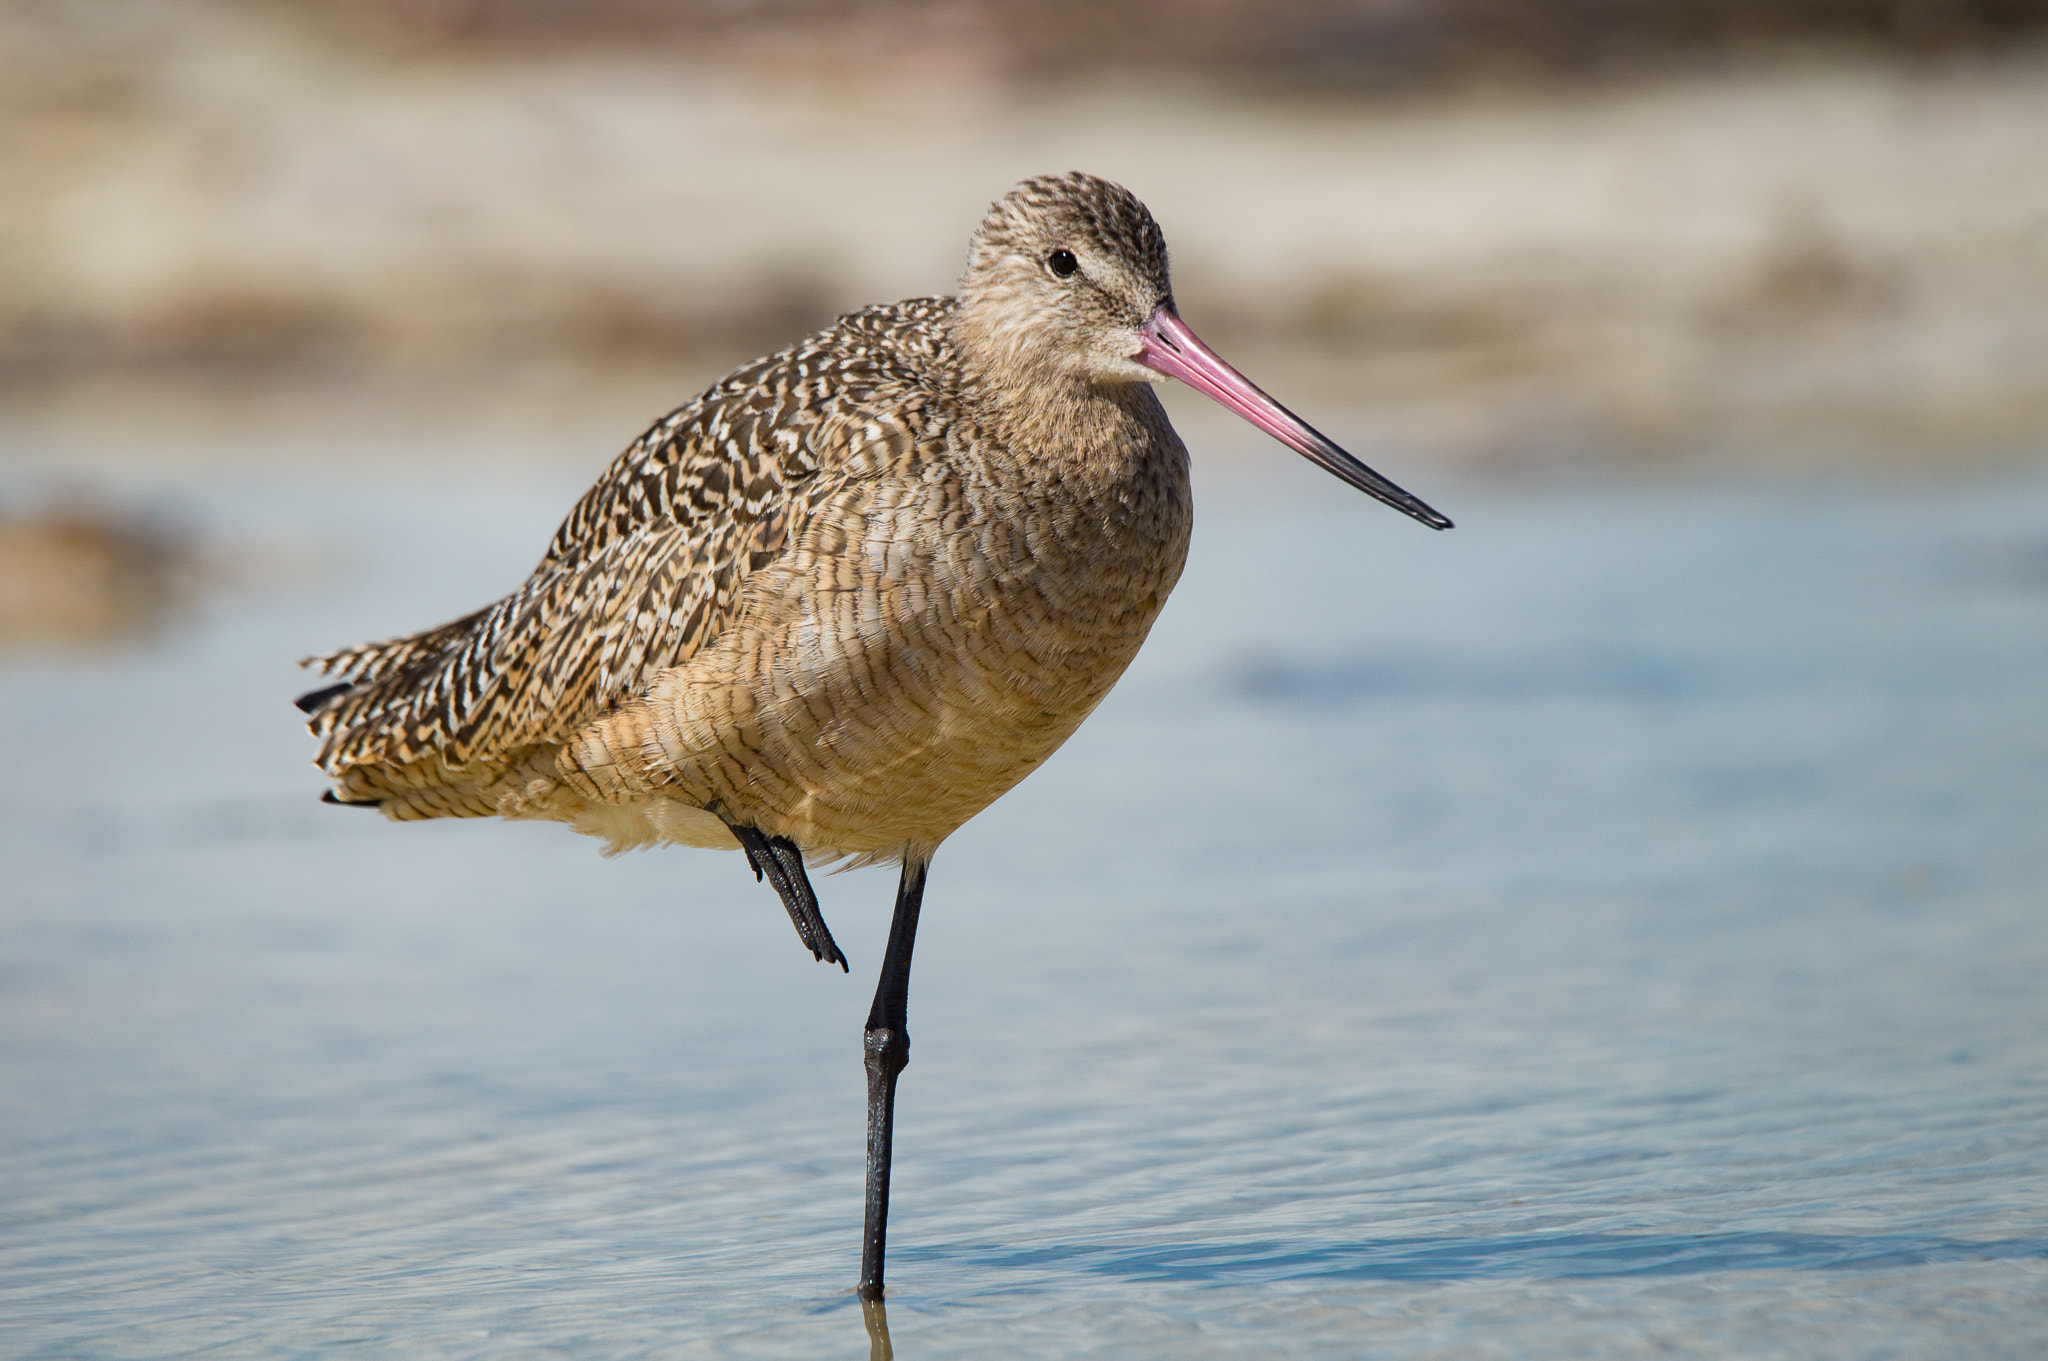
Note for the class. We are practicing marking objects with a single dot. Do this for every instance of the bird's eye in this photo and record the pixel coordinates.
(1062, 263)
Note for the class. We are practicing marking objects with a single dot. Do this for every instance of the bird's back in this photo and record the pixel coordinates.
(646, 570)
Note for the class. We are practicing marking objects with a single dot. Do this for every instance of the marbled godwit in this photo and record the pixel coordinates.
(843, 600)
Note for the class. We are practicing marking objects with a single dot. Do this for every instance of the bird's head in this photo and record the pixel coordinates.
(1066, 283)
(1061, 277)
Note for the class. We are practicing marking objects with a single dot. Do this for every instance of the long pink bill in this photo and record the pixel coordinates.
(1172, 349)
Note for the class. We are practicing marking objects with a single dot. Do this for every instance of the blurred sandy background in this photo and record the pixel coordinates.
(1508, 236)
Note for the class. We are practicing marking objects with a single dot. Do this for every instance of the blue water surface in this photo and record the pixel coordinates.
(1614, 928)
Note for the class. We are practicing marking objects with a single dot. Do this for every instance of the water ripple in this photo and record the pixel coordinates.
(1522, 1256)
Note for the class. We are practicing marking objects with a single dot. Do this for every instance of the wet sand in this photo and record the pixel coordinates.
(217, 215)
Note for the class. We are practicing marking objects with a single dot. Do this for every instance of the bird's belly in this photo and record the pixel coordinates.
(870, 712)
(923, 732)
(891, 761)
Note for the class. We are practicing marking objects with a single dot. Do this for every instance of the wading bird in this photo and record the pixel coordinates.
(835, 606)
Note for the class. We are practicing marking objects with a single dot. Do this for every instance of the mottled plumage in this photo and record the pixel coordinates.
(856, 520)
(844, 599)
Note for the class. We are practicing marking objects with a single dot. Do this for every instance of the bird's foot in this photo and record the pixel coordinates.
(782, 864)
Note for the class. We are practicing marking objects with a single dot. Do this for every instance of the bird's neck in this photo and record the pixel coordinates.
(1045, 415)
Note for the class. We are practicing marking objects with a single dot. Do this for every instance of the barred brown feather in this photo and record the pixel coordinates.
(849, 595)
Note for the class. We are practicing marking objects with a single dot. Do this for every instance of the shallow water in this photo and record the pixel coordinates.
(1612, 929)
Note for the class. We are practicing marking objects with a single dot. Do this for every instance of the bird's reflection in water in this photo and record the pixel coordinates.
(876, 1315)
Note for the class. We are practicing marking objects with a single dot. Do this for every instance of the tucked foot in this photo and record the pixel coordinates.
(778, 859)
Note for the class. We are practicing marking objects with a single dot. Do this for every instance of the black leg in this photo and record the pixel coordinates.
(888, 1050)
(779, 858)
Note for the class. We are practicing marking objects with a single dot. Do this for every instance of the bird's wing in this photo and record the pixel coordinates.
(648, 566)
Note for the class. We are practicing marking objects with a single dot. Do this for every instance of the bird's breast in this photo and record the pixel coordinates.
(926, 641)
